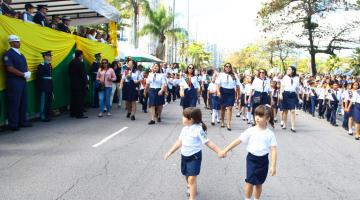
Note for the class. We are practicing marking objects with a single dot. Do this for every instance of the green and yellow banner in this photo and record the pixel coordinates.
(36, 39)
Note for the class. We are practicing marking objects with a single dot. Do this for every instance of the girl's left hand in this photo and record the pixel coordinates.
(160, 93)
(272, 171)
(167, 155)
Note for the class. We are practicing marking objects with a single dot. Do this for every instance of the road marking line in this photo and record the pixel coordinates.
(109, 137)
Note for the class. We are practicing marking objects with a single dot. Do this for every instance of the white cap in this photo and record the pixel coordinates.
(14, 38)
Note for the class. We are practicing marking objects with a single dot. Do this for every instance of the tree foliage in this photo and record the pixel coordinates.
(199, 57)
(284, 16)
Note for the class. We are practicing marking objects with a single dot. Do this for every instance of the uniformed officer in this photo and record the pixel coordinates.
(40, 16)
(94, 70)
(45, 86)
(16, 76)
(64, 26)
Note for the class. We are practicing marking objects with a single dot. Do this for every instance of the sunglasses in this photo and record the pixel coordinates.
(104, 63)
(262, 72)
(190, 68)
(227, 65)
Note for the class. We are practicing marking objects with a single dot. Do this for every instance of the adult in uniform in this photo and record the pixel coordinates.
(78, 85)
(64, 26)
(45, 86)
(40, 16)
(228, 89)
(189, 88)
(289, 95)
(16, 89)
(95, 88)
(155, 88)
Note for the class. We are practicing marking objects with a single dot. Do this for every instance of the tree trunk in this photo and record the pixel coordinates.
(160, 51)
(136, 23)
(311, 41)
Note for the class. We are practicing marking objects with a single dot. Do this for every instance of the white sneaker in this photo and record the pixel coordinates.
(108, 114)
(100, 114)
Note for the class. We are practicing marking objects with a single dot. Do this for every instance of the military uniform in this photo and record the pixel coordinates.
(16, 88)
(40, 18)
(45, 86)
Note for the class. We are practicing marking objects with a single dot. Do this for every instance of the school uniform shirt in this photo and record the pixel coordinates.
(192, 137)
(260, 85)
(212, 88)
(242, 88)
(274, 93)
(194, 82)
(321, 93)
(128, 75)
(155, 80)
(259, 143)
(356, 96)
(348, 97)
(248, 89)
(170, 83)
(176, 82)
(290, 84)
(337, 94)
(312, 92)
(226, 81)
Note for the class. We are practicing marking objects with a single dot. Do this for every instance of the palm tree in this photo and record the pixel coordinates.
(160, 26)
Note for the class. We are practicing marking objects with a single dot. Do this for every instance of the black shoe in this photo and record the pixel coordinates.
(159, 119)
(133, 117)
(82, 117)
(151, 122)
(222, 126)
(26, 125)
(293, 130)
(228, 128)
(357, 138)
(351, 133)
(237, 115)
(213, 123)
(335, 125)
(145, 111)
(128, 115)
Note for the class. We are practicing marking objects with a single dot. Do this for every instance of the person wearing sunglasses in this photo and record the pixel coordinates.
(155, 89)
(105, 77)
(189, 88)
(228, 89)
(289, 95)
(261, 91)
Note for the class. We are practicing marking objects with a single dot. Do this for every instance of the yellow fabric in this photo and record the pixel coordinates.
(113, 34)
(36, 39)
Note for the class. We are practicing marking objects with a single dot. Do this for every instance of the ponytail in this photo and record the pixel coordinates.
(203, 126)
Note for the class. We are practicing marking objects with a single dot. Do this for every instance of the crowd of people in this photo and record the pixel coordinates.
(56, 22)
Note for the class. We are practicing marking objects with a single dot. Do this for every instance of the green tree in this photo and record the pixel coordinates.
(160, 26)
(355, 62)
(199, 57)
(282, 15)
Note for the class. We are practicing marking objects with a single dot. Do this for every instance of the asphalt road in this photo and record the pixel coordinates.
(64, 159)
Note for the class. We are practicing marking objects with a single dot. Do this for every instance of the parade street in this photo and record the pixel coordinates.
(115, 158)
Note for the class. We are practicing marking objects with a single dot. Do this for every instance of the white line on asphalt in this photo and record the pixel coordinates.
(109, 137)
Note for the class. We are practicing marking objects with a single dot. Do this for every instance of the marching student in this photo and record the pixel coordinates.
(214, 101)
(260, 142)
(248, 91)
(355, 101)
(275, 90)
(143, 95)
(189, 88)
(191, 138)
(130, 80)
(321, 91)
(289, 96)
(312, 97)
(155, 88)
(240, 101)
(227, 87)
(334, 96)
(350, 105)
(260, 94)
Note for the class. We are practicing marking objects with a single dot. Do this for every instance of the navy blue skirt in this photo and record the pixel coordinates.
(189, 99)
(215, 102)
(275, 100)
(356, 113)
(191, 165)
(227, 97)
(154, 98)
(351, 111)
(129, 91)
(290, 100)
(256, 169)
(242, 100)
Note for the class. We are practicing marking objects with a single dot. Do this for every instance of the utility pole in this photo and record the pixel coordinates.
(188, 29)
(174, 39)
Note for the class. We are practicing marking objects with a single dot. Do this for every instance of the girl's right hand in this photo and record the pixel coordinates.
(167, 155)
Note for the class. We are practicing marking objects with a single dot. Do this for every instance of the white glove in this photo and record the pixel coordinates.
(27, 75)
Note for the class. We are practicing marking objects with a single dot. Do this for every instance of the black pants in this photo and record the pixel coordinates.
(77, 103)
(170, 93)
(333, 106)
(45, 105)
(321, 108)
(143, 100)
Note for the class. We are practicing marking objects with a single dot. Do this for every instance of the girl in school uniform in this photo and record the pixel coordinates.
(260, 142)
(214, 101)
(240, 101)
(334, 96)
(247, 92)
(129, 82)
(155, 88)
(289, 96)
(275, 90)
(191, 138)
(321, 100)
(189, 88)
(227, 87)
(350, 103)
(260, 94)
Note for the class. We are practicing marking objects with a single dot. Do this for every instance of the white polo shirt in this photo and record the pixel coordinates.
(155, 80)
(212, 87)
(194, 82)
(260, 85)
(259, 143)
(356, 96)
(226, 81)
(192, 137)
(135, 76)
(290, 84)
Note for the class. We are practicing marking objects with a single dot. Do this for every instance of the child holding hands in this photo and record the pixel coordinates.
(260, 142)
(192, 136)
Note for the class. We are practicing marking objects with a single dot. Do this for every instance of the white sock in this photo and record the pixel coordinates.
(350, 130)
(217, 115)
(248, 115)
(247, 199)
(256, 199)
(213, 116)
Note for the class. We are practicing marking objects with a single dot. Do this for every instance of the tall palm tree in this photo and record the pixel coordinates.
(160, 26)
